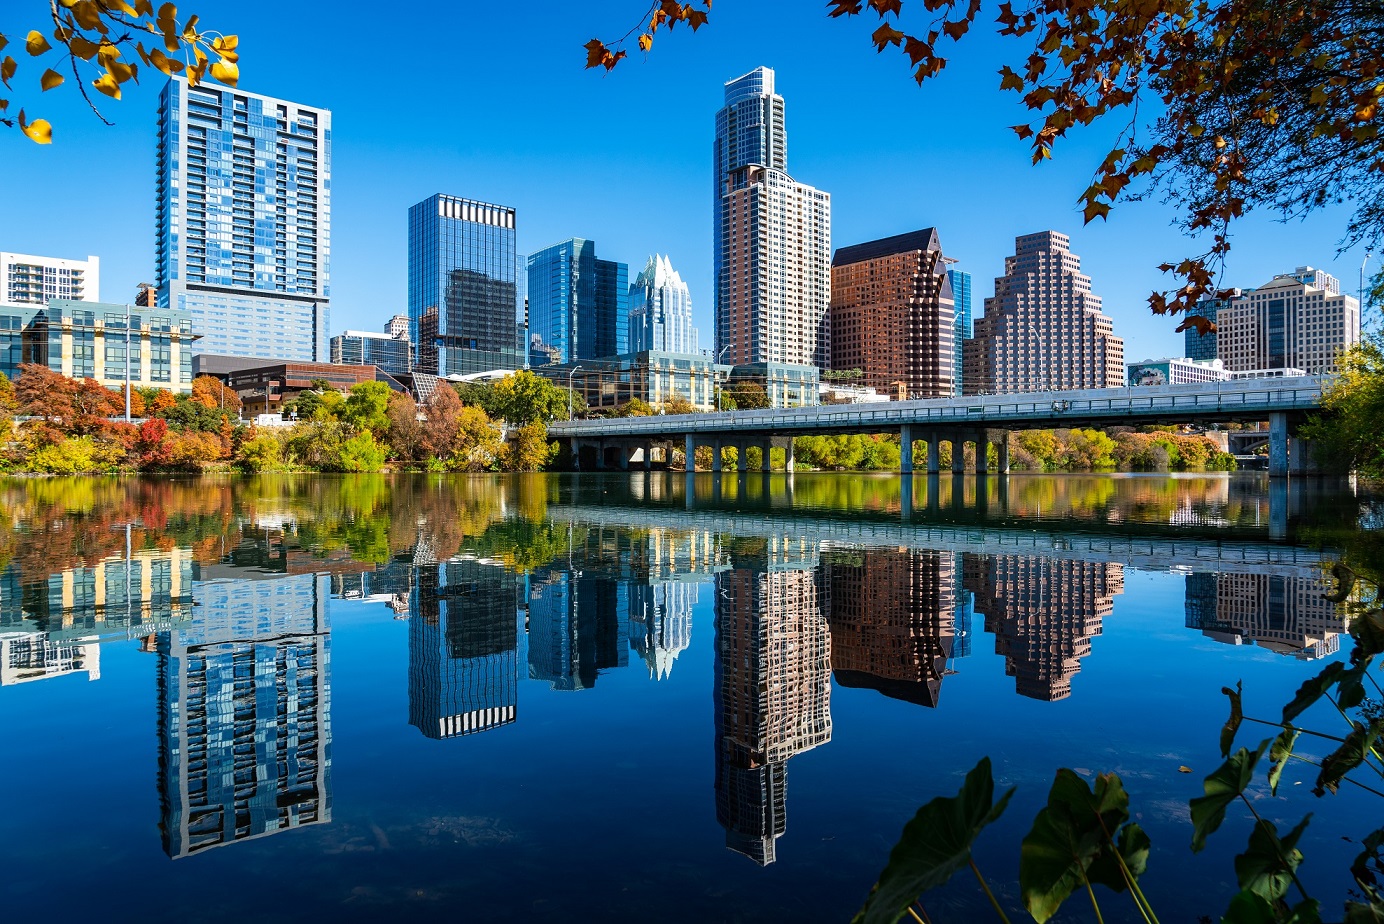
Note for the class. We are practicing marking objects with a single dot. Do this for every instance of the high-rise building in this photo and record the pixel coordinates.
(892, 618)
(1043, 329)
(578, 626)
(397, 326)
(244, 714)
(26, 279)
(892, 315)
(661, 623)
(1286, 614)
(1043, 613)
(961, 311)
(465, 299)
(771, 246)
(243, 226)
(463, 649)
(578, 304)
(1199, 346)
(661, 310)
(1299, 320)
(772, 694)
(367, 348)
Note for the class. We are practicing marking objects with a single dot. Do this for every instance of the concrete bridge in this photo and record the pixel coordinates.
(982, 420)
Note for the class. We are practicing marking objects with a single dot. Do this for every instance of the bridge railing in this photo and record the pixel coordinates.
(1253, 396)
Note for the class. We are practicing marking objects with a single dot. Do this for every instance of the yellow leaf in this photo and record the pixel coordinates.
(190, 30)
(83, 48)
(37, 44)
(122, 6)
(225, 46)
(7, 69)
(88, 15)
(226, 72)
(50, 79)
(1184, 769)
(38, 131)
(107, 85)
(144, 8)
(3, 41)
(646, 41)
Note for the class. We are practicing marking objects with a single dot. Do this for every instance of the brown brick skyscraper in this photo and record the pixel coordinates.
(892, 314)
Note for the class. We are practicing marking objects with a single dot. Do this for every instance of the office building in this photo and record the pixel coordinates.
(463, 649)
(1176, 371)
(26, 279)
(1044, 328)
(1202, 346)
(661, 310)
(893, 315)
(961, 312)
(771, 244)
(654, 377)
(773, 689)
(88, 340)
(263, 389)
(784, 384)
(1043, 613)
(243, 220)
(1285, 614)
(892, 614)
(367, 348)
(578, 304)
(465, 297)
(397, 327)
(1299, 320)
(244, 707)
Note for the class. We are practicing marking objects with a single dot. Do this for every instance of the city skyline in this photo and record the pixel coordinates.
(369, 267)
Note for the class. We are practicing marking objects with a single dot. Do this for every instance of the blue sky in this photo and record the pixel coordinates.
(491, 101)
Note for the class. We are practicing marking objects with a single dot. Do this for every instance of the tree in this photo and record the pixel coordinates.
(679, 405)
(477, 444)
(367, 407)
(1227, 105)
(439, 437)
(528, 449)
(208, 391)
(748, 396)
(41, 392)
(1347, 431)
(260, 453)
(635, 407)
(405, 433)
(9, 403)
(101, 35)
(524, 397)
(361, 453)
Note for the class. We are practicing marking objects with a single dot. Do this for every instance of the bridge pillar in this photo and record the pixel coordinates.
(576, 454)
(742, 457)
(600, 455)
(716, 455)
(1278, 508)
(1002, 452)
(906, 497)
(689, 443)
(648, 457)
(958, 445)
(982, 453)
(934, 453)
(766, 459)
(1302, 459)
(906, 449)
(1278, 444)
(788, 456)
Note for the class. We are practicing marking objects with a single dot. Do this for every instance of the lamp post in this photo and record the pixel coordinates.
(1368, 254)
(569, 390)
(127, 363)
(720, 397)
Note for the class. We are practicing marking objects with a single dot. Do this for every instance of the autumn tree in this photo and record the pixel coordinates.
(97, 42)
(524, 397)
(528, 449)
(367, 407)
(208, 391)
(41, 392)
(405, 431)
(1222, 106)
(441, 424)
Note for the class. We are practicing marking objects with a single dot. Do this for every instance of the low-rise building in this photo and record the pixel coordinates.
(651, 376)
(264, 389)
(786, 384)
(836, 393)
(393, 354)
(1175, 371)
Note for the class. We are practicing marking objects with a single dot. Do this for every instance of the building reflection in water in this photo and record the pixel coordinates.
(773, 687)
(1043, 613)
(893, 620)
(661, 623)
(1283, 613)
(463, 648)
(244, 713)
(29, 656)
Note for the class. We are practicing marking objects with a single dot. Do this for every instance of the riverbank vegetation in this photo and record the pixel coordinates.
(1347, 434)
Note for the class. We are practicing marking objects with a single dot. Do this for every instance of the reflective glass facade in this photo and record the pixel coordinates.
(86, 340)
(661, 310)
(243, 220)
(578, 304)
(961, 295)
(366, 348)
(464, 297)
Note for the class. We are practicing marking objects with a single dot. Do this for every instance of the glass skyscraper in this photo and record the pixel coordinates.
(578, 304)
(961, 295)
(465, 298)
(243, 222)
(661, 310)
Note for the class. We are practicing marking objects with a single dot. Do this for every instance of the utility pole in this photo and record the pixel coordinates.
(127, 363)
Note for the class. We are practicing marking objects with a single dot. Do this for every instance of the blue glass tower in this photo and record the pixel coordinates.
(464, 296)
(578, 304)
(242, 229)
(961, 293)
(1198, 345)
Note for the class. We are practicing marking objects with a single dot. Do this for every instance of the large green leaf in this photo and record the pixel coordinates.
(1351, 754)
(1313, 690)
(1070, 842)
(1266, 868)
(1364, 913)
(933, 846)
(1221, 788)
(1249, 908)
(1232, 724)
(1279, 753)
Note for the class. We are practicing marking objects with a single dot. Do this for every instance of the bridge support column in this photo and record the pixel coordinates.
(788, 456)
(958, 445)
(600, 455)
(934, 453)
(1301, 458)
(1278, 508)
(906, 497)
(906, 449)
(1002, 453)
(1278, 444)
(716, 455)
(576, 455)
(648, 457)
(766, 458)
(742, 457)
(982, 453)
(689, 448)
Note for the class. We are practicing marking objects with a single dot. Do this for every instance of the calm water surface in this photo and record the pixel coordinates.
(628, 697)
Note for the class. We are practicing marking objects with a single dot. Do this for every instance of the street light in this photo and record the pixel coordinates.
(1368, 254)
(127, 363)
(720, 392)
(569, 390)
